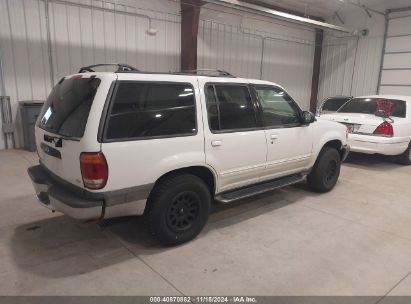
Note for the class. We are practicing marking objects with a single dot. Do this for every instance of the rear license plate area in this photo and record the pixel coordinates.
(50, 150)
(352, 128)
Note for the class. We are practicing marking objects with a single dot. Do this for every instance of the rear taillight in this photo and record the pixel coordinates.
(94, 169)
(384, 129)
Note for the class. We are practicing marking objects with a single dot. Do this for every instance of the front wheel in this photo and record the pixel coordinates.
(179, 208)
(326, 171)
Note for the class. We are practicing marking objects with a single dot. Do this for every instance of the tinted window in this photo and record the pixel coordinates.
(333, 104)
(212, 109)
(278, 107)
(230, 107)
(369, 106)
(67, 108)
(152, 109)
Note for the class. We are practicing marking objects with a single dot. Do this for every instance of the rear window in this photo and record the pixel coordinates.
(333, 104)
(150, 109)
(67, 108)
(369, 106)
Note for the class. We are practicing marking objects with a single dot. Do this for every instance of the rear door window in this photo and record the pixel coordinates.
(230, 108)
(150, 110)
(67, 108)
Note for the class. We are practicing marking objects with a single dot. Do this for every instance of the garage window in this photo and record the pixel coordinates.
(230, 108)
(150, 110)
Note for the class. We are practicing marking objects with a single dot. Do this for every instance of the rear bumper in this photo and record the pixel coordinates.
(377, 145)
(81, 204)
(56, 198)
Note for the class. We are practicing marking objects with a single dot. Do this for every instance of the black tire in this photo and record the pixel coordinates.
(326, 171)
(178, 209)
(405, 158)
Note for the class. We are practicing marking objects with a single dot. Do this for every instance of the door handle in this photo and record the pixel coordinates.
(216, 143)
(274, 136)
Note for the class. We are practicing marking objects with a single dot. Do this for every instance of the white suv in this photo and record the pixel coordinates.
(165, 145)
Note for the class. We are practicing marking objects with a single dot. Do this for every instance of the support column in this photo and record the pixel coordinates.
(190, 15)
(316, 69)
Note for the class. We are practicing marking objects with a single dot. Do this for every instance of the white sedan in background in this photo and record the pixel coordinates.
(377, 124)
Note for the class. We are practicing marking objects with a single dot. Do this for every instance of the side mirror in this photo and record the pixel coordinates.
(308, 117)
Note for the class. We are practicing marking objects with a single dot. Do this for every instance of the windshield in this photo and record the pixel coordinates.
(369, 106)
(67, 108)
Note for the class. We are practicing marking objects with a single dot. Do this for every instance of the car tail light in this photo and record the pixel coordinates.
(384, 129)
(94, 169)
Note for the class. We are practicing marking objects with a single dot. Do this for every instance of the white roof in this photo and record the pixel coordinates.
(399, 97)
(172, 76)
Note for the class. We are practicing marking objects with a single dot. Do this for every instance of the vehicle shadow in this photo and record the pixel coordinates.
(61, 247)
(375, 162)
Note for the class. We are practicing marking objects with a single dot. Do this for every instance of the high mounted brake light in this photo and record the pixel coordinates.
(94, 170)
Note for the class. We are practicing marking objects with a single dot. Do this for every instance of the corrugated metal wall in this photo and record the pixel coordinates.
(282, 52)
(291, 65)
(367, 66)
(225, 47)
(337, 66)
(81, 36)
(350, 65)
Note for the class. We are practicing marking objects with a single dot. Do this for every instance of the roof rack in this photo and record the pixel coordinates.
(121, 67)
(208, 72)
(125, 68)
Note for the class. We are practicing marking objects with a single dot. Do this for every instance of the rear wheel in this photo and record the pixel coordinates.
(326, 170)
(405, 158)
(178, 209)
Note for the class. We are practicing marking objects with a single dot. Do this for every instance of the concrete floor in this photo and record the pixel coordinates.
(355, 240)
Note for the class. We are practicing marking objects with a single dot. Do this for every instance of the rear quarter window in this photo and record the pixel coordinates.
(142, 110)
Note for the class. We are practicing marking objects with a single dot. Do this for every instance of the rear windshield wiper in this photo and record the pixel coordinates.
(58, 140)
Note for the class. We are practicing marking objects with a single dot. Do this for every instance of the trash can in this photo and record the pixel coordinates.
(29, 110)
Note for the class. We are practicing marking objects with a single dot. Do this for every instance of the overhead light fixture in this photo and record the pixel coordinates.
(248, 7)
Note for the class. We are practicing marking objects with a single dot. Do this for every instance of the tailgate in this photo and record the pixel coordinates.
(69, 121)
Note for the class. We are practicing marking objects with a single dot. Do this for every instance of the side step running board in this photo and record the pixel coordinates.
(230, 196)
